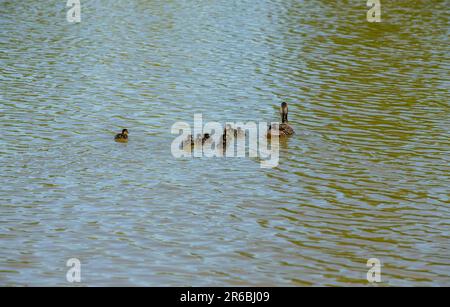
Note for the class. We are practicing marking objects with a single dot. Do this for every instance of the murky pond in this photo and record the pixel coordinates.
(365, 176)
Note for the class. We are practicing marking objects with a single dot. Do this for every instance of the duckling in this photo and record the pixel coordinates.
(228, 132)
(201, 139)
(224, 138)
(239, 132)
(284, 129)
(205, 138)
(122, 137)
(188, 142)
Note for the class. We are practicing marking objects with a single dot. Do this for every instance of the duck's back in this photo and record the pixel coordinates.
(280, 130)
(286, 129)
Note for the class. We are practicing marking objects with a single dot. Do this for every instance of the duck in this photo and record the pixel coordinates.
(122, 137)
(284, 129)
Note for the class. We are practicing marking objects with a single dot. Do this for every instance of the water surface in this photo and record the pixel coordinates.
(366, 175)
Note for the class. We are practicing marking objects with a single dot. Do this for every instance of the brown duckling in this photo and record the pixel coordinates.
(122, 137)
(200, 139)
(205, 138)
(229, 133)
(189, 141)
(239, 132)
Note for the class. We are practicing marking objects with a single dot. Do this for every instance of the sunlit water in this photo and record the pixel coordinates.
(366, 175)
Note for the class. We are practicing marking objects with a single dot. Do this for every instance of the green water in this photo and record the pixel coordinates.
(366, 175)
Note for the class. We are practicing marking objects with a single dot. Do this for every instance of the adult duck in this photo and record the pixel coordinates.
(284, 129)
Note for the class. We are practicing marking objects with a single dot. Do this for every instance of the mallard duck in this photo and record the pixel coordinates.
(122, 137)
(284, 129)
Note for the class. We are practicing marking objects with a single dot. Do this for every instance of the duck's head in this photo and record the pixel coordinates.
(284, 112)
(125, 132)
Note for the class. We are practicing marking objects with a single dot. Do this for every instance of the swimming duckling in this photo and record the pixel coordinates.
(228, 132)
(239, 132)
(284, 129)
(188, 142)
(224, 138)
(122, 137)
(201, 139)
(198, 139)
(205, 138)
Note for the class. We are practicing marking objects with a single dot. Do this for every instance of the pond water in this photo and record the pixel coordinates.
(365, 176)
